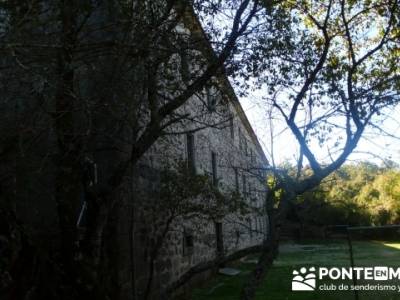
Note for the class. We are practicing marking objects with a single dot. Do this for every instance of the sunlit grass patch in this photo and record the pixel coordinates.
(392, 245)
(317, 253)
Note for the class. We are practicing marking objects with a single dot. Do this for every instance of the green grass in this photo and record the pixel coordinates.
(223, 287)
(332, 253)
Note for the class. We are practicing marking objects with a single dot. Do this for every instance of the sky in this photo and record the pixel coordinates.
(373, 147)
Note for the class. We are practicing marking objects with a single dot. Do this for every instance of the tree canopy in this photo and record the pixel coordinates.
(356, 194)
(330, 69)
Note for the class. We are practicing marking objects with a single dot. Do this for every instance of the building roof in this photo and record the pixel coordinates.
(192, 22)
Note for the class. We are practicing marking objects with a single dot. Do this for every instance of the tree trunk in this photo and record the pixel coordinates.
(271, 245)
(68, 182)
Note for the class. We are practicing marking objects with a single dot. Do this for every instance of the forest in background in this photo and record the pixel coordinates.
(357, 194)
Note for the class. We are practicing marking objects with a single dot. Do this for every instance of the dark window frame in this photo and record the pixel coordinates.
(219, 238)
(191, 152)
(240, 139)
(232, 128)
(188, 243)
(244, 185)
(237, 179)
(214, 168)
(250, 227)
(212, 99)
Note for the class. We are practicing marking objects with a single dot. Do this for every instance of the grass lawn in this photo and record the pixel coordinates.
(277, 284)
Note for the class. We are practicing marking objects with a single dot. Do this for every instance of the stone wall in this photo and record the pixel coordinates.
(240, 166)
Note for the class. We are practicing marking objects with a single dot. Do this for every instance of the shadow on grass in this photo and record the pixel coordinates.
(308, 253)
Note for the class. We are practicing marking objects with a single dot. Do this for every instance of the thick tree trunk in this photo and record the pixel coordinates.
(271, 245)
(68, 183)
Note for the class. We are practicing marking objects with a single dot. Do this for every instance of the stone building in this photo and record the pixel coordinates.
(225, 148)
(45, 183)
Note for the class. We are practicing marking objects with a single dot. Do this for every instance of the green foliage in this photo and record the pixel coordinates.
(360, 194)
(187, 195)
(275, 192)
(319, 61)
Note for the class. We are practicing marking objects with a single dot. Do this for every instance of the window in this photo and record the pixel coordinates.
(191, 154)
(249, 191)
(237, 234)
(250, 228)
(211, 99)
(240, 138)
(244, 185)
(236, 179)
(245, 146)
(219, 238)
(214, 168)
(188, 243)
(184, 67)
(232, 129)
